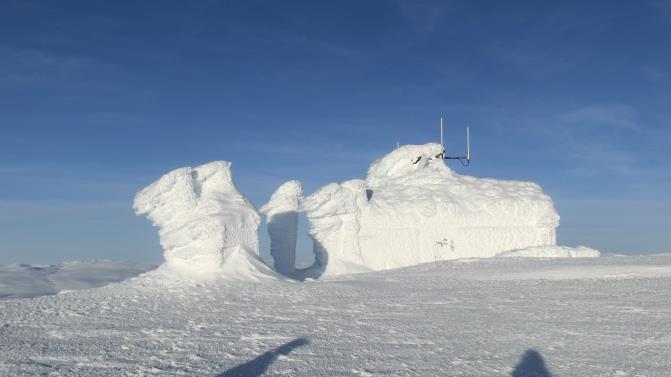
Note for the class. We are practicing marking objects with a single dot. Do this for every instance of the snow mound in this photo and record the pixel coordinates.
(550, 251)
(412, 208)
(206, 227)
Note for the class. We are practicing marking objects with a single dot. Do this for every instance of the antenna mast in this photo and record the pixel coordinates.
(465, 160)
(468, 143)
(442, 144)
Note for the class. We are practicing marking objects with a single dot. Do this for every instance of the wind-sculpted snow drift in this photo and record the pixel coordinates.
(551, 251)
(411, 209)
(206, 227)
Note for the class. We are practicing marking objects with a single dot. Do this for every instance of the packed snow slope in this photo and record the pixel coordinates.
(604, 316)
(552, 252)
(207, 228)
(412, 208)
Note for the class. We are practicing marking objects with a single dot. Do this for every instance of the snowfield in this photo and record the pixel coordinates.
(24, 280)
(499, 298)
(608, 316)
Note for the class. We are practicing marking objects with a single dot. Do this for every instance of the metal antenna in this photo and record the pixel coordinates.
(465, 160)
(442, 144)
(468, 144)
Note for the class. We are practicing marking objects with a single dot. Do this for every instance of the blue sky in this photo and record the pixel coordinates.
(100, 98)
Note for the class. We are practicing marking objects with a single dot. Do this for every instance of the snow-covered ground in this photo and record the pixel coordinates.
(608, 316)
(24, 280)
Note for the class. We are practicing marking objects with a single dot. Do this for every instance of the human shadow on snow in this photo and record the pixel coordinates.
(261, 364)
(531, 365)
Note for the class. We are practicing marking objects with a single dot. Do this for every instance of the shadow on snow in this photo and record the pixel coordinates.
(261, 364)
(531, 365)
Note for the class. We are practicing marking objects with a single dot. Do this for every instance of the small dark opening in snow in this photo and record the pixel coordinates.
(369, 194)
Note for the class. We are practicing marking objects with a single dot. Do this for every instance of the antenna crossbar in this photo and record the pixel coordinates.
(465, 160)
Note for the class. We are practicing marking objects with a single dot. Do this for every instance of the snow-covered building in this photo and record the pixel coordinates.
(412, 208)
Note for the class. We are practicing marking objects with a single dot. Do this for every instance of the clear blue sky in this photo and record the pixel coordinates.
(100, 98)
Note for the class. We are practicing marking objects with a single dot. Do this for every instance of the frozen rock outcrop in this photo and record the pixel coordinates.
(412, 208)
(282, 217)
(208, 230)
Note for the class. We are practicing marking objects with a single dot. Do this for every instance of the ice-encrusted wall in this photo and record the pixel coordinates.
(412, 208)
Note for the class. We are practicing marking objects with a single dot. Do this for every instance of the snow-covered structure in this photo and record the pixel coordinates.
(206, 227)
(412, 208)
(282, 218)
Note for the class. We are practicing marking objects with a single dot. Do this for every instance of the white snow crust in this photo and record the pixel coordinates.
(552, 252)
(208, 230)
(412, 208)
(605, 316)
(287, 198)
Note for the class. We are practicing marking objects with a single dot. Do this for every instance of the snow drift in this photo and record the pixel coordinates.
(552, 251)
(206, 227)
(412, 208)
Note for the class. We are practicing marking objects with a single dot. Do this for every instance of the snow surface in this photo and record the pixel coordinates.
(24, 280)
(552, 252)
(207, 228)
(607, 316)
(412, 208)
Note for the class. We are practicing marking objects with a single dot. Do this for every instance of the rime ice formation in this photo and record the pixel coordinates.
(206, 227)
(282, 217)
(552, 251)
(412, 208)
